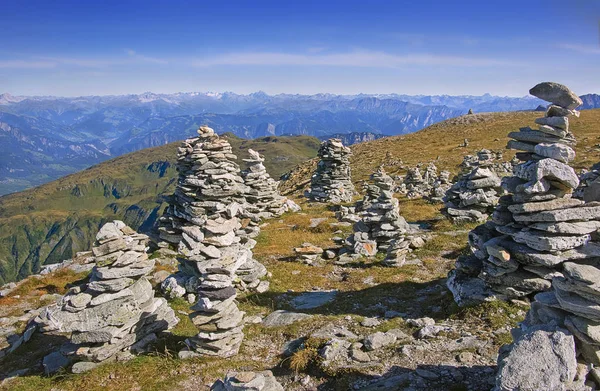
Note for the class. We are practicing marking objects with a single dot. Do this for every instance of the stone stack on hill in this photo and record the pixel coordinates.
(564, 320)
(539, 225)
(115, 314)
(371, 193)
(332, 181)
(473, 197)
(263, 200)
(440, 187)
(381, 224)
(207, 204)
(413, 183)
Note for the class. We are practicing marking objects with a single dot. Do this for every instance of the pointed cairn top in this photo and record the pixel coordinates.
(205, 131)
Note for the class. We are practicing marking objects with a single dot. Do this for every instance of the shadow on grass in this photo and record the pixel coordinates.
(441, 377)
(407, 299)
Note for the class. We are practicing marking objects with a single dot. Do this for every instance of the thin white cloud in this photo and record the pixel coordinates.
(357, 58)
(580, 48)
(25, 64)
(135, 55)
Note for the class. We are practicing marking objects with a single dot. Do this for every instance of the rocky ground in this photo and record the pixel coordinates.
(320, 327)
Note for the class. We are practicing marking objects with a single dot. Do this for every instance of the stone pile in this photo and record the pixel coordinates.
(248, 381)
(440, 187)
(381, 227)
(116, 313)
(539, 226)
(332, 181)
(205, 213)
(263, 200)
(473, 197)
(371, 193)
(308, 253)
(589, 185)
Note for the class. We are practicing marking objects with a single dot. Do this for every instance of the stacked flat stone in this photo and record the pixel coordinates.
(207, 203)
(248, 381)
(589, 185)
(413, 184)
(332, 181)
(571, 308)
(473, 197)
(371, 193)
(381, 223)
(440, 187)
(539, 226)
(263, 200)
(116, 313)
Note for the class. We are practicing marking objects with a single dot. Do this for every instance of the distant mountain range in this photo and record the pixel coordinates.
(44, 138)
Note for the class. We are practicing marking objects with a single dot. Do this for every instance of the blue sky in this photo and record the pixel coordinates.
(74, 48)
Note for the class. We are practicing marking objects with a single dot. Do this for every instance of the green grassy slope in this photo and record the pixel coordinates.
(52, 222)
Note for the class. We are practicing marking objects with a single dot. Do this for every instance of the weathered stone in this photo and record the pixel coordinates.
(557, 94)
(543, 359)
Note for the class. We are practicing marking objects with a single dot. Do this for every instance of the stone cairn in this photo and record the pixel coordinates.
(262, 201)
(332, 181)
(116, 313)
(563, 323)
(473, 197)
(205, 213)
(439, 188)
(381, 227)
(248, 381)
(539, 225)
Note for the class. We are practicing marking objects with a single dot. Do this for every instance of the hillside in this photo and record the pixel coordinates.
(52, 222)
(440, 143)
(367, 297)
(44, 138)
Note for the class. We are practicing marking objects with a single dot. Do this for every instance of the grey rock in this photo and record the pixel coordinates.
(542, 359)
(54, 362)
(83, 366)
(310, 300)
(283, 318)
(378, 340)
(557, 94)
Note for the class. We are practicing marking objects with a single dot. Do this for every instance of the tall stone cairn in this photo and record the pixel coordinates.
(568, 315)
(381, 223)
(262, 201)
(332, 181)
(473, 197)
(116, 313)
(539, 225)
(205, 212)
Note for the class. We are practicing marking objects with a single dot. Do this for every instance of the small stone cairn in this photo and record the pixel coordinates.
(564, 320)
(263, 200)
(473, 197)
(205, 212)
(332, 181)
(381, 227)
(116, 313)
(439, 188)
(248, 381)
(537, 229)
